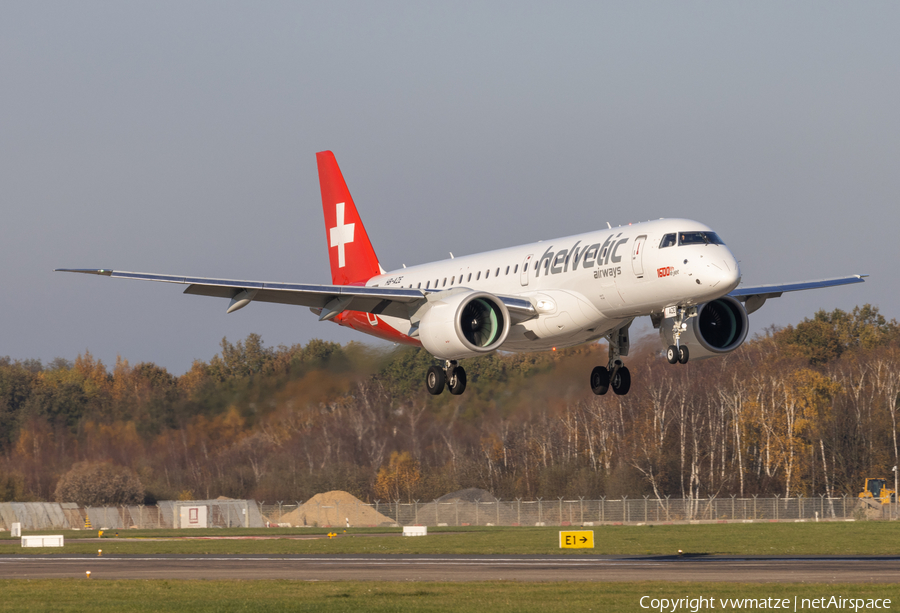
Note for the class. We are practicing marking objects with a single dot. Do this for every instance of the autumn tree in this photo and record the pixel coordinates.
(17, 380)
(12, 488)
(807, 398)
(809, 409)
(827, 336)
(245, 358)
(400, 476)
(99, 483)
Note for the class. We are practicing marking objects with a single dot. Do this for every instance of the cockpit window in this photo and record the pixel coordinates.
(699, 238)
(667, 241)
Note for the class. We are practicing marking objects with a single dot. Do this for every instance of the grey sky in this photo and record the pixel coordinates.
(179, 137)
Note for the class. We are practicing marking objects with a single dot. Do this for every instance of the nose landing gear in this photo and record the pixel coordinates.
(679, 353)
(452, 375)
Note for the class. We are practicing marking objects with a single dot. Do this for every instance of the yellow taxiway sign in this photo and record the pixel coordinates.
(576, 539)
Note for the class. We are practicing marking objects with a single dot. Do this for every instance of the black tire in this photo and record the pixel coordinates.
(434, 380)
(457, 383)
(599, 380)
(621, 381)
(672, 354)
(684, 355)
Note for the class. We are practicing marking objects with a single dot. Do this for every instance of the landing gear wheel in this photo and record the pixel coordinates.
(435, 380)
(672, 354)
(599, 380)
(684, 355)
(621, 381)
(457, 383)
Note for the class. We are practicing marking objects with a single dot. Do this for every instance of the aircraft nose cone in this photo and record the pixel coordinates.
(724, 274)
(731, 273)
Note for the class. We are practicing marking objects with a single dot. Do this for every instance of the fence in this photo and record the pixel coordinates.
(559, 512)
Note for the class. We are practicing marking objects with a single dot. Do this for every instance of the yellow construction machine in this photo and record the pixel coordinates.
(877, 491)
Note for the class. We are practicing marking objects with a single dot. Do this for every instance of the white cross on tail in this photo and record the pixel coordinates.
(341, 234)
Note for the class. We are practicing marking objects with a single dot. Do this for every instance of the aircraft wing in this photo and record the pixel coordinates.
(332, 299)
(755, 297)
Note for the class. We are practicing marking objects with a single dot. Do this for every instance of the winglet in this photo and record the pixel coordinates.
(353, 260)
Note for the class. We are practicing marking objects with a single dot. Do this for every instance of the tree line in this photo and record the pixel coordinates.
(805, 410)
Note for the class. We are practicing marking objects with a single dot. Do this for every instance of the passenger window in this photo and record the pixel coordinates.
(667, 241)
(428, 285)
(507, 270)
(478, 276)
(470, 278)
(453, 280)
(516, 269)
(487, 274)
(445, 282)
(526, 267)
(497, 273)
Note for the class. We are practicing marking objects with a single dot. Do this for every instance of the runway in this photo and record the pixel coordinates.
(527, 568)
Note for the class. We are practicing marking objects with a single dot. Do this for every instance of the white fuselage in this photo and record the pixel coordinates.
(586, 285)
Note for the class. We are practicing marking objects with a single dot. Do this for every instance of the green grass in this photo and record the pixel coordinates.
(201, 596)
(835, 538)
(65, 595)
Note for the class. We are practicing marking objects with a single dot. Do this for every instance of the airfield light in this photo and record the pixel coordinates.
(896, 499)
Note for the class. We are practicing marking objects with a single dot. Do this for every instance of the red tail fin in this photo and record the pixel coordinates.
(353, 260)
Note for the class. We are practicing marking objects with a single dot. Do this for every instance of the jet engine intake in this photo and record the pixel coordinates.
(720, 327)
(464, 325)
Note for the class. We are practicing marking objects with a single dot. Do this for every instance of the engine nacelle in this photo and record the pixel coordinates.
(464, 325)
(719, 328)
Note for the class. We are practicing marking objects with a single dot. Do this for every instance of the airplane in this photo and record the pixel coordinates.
(548, 294)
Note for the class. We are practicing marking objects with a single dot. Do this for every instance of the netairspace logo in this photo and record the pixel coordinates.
(694, 605)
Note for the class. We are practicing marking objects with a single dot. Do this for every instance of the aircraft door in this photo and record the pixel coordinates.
(637, 255)
(523, 277)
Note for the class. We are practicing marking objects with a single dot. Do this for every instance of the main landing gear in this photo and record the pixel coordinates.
(452, 375)
(615, 375)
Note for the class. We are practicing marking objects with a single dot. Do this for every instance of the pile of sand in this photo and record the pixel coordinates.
(336, 509)
(471, 494)
(459, 509)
